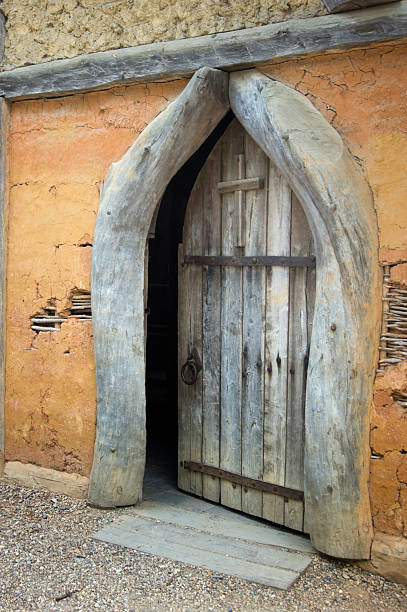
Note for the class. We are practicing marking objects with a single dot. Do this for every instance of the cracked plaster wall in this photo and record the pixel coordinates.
(39, 30)
(60, 151)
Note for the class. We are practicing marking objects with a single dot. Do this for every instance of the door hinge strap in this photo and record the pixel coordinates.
(244, 481)
(260, 260)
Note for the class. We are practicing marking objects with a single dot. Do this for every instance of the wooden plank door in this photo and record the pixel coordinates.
(244, 324)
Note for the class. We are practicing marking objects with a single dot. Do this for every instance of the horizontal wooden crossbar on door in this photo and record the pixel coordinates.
(259, 260)
(244, 481)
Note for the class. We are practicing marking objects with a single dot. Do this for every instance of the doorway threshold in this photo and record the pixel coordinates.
(187, 529)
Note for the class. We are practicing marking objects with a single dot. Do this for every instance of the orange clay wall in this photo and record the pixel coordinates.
(60, 151)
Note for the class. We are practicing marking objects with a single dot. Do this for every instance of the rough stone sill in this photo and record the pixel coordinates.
(36, 477)
(389, 557)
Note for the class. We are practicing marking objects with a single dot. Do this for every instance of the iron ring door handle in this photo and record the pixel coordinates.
(189, 365)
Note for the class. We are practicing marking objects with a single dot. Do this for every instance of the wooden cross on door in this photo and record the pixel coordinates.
(239, 187)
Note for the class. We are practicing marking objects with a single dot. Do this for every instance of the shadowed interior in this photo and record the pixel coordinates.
(162, 330)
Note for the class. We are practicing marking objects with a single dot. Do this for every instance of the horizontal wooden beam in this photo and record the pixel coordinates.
(338, 6)
(228, 51)
(258, 260)
(247, 184)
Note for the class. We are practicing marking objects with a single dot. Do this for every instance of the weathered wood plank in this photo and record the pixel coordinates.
(131, 193)
(244, 184)
(184, 419)
(199, 549)
(338, 204)
(257, 260)
(197, 514)
(2, 34)
(339, 6)
(190, 327)
(231, 327)
(301, 244)
(211, 309)
(276, 342)
(229, 51)
(199, 537)
(255, 213)
(310, 296)
(4, 122)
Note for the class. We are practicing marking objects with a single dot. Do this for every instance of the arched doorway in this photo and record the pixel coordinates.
(338, 205)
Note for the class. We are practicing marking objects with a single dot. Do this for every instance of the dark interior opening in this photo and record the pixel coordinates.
(162, 325)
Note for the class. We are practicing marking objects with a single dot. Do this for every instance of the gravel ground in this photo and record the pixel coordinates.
(49, 562)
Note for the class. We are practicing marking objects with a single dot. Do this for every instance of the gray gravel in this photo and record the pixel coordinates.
(49, 562)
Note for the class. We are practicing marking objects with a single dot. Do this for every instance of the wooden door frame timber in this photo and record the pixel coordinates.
(4, 124)
(132, 191)
(338, 204)
(230, 51)
(338, 6)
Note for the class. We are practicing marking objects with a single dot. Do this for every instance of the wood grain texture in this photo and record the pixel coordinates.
(338, 204)
(190, 328)
(2, 34)
(259, 418)
(338, 6)
(231, 327)
(298, 347)
(184, 420)
(276, 343)
(228, 51)
(216, 520)
(255, 215)
(249, 561)
(211, 309)
(131, 193)
(4, 122)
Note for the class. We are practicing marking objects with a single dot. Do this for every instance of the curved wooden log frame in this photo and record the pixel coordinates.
(131, 193)
(337, 201)
(338, 204)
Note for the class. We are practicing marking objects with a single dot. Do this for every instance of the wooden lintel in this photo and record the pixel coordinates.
(339, 6)
(229, 51)
(241, 185)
